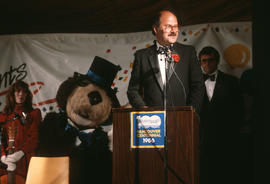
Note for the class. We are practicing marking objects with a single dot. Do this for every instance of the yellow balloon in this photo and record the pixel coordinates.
(237, 55)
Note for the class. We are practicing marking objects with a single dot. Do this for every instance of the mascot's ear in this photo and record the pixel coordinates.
(82, 80)
(78, 76)
(64, 91)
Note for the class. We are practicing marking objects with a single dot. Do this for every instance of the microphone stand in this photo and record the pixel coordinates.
(168, 59)
(165, 123)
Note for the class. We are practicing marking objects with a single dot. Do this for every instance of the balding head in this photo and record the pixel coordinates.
(166, 27)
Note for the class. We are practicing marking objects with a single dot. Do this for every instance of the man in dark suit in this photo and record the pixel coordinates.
(166, 68)
(221, 117)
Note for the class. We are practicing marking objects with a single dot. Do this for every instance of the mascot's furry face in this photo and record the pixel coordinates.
(88, 106)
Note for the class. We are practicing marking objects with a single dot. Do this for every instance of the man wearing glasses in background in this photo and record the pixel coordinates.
(221, 118)
(166, 68)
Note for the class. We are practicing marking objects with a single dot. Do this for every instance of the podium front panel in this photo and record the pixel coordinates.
(146, 165)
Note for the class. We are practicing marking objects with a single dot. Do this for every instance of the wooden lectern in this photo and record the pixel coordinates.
(145, 165)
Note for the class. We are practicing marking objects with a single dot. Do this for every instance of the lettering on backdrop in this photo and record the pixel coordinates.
(14, 73)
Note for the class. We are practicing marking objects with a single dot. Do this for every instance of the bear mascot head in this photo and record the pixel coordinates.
(80, 129)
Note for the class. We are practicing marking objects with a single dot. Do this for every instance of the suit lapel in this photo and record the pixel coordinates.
(153, 60)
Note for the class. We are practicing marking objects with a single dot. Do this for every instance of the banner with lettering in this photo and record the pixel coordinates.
(46, 60)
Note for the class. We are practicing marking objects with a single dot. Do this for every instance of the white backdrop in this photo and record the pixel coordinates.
(46, 60)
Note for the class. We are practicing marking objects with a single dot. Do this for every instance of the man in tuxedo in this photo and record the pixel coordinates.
(221, 117)
(166, 68)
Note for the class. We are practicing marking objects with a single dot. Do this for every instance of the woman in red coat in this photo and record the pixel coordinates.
(19, 132)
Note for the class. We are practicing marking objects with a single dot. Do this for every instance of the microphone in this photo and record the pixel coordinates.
(170, 58)
(17, 116)
(173, 53)
(167, 51)
(22, 119)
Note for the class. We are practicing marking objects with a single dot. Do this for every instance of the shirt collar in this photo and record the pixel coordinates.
(159, 45)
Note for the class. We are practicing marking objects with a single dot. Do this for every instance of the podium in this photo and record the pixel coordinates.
(145, 165)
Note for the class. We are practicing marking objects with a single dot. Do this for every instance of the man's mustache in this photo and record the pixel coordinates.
(172, 34)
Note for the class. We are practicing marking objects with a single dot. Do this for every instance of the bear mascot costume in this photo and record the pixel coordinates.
(82, 128)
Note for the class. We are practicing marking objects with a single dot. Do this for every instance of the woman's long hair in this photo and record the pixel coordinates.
(10, 97)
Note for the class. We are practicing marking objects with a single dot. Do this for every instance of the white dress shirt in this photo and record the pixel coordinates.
(210, 85)
(161, 61)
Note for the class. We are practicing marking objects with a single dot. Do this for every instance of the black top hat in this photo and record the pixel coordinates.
(102, 72)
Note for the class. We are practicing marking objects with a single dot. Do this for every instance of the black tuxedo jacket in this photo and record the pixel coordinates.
(220, 122)
(185, 82)
(221, 117)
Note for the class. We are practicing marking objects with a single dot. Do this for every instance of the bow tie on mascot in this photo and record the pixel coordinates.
(82, 129)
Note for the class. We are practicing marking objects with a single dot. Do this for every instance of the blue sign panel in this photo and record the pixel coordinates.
(147, 129)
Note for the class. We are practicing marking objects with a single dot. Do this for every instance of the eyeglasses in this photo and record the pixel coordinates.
(168, 27)
(208, 60)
